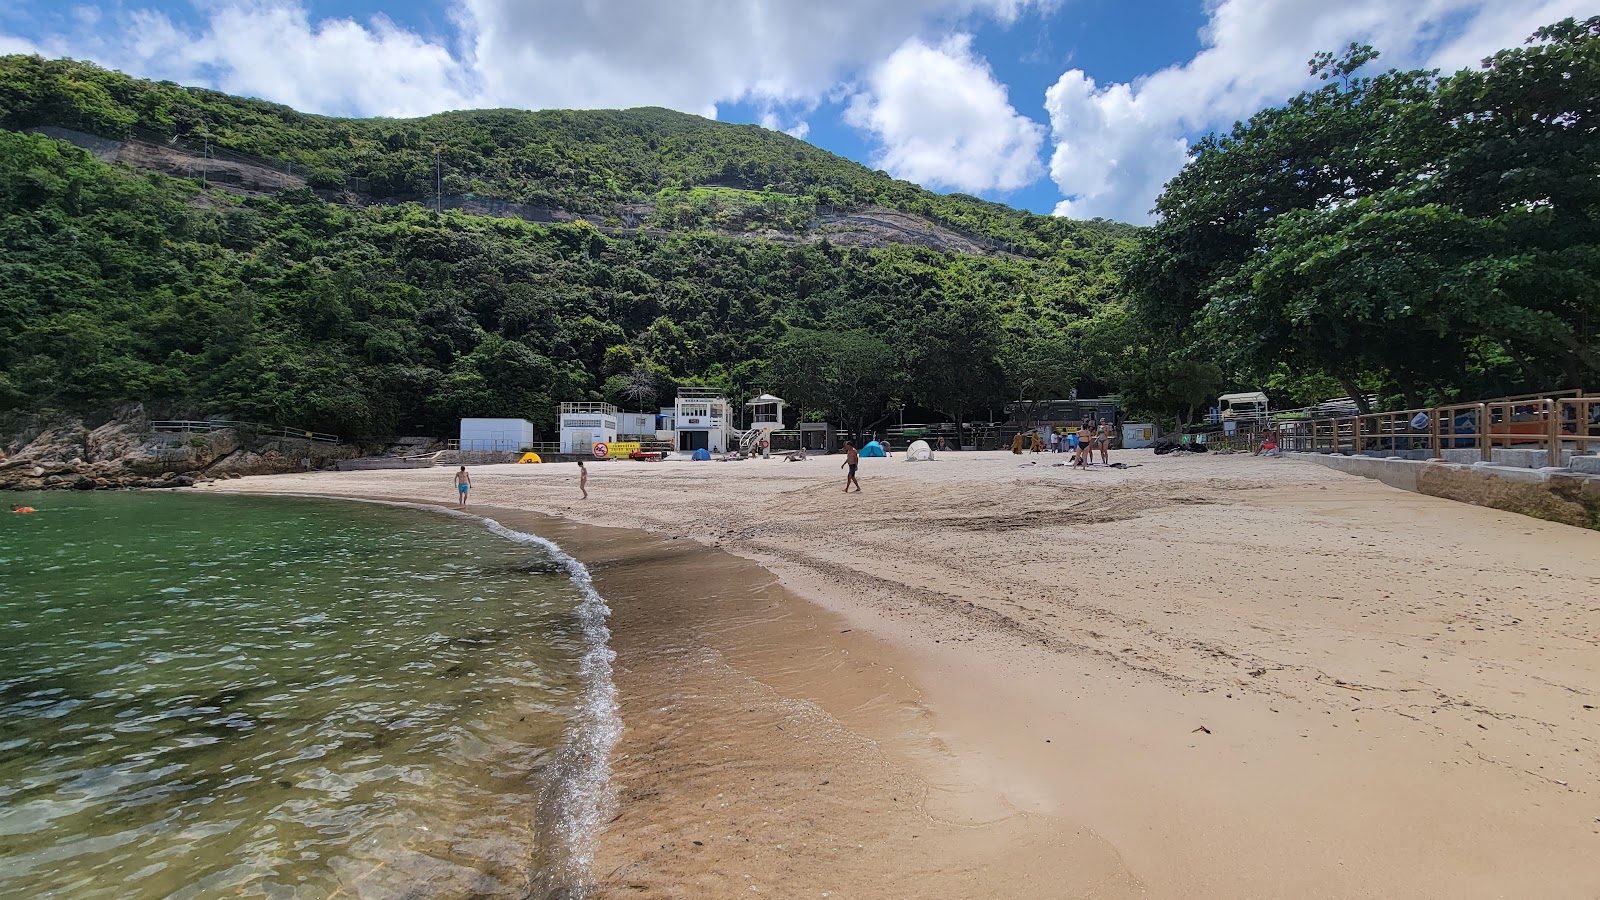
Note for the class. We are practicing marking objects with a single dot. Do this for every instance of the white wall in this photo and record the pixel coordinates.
(496, 434)
(597, 427)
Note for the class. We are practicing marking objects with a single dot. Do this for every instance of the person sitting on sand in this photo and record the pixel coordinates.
(583, 480)
(852, 458)
(463, 484)
(796, 456)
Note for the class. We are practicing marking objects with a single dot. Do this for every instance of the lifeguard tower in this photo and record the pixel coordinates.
(700, 421)
(766, 416)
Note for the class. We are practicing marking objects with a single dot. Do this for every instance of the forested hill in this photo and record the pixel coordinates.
(639, 166)
(370, 320)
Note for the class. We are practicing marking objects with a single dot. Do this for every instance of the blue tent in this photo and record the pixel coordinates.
(701, 455)
(873, 448)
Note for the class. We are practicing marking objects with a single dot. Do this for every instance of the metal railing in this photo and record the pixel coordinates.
(190, 426)
(1556, 423)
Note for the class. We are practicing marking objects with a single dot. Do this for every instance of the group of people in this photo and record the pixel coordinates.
(1082, 443)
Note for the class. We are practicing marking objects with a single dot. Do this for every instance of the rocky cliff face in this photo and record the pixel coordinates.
(125, 452)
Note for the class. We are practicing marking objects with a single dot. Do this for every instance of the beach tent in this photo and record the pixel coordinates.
(873, 448)
(919, 451)
(701, 455)
(530, 458)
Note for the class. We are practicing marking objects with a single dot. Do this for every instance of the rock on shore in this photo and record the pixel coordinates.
(124, 453)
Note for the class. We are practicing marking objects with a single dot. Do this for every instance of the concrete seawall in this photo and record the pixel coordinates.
(1568, 496)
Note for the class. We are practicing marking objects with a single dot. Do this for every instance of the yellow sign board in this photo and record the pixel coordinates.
(616, 449)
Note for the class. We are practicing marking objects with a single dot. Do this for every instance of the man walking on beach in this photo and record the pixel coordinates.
(852, 459)
(463, 484)
(583, 480)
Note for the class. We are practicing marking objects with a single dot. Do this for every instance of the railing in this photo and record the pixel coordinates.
(1555, 423)
(186, 426)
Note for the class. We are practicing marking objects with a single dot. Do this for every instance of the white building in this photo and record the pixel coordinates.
(701, 420)
(585, 424)
(496, 434)
(766, 416)
(636, 426)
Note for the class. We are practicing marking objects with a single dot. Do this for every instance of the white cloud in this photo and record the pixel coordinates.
(943, 120)
(1118, 144)
(686, 54)
(9, 45)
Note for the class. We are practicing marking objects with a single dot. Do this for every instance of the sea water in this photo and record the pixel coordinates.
(206, 695)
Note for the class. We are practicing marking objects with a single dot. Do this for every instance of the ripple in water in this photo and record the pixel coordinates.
(276, 698)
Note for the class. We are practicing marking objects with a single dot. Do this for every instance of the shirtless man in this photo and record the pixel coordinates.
(852, 458)
(463, 484)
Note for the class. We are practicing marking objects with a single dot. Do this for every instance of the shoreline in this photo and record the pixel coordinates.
(1078, 712)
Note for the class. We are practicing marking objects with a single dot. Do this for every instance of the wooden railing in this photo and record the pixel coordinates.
(1555, 423)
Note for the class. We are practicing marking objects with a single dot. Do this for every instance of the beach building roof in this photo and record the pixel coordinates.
(1244, 397)
(764, 399)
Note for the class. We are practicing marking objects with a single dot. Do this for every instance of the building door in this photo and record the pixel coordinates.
(582, 442)
(694, 440)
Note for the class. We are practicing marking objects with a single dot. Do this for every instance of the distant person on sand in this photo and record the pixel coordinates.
(941, 447)
(1103, 437)
(463, 484)
(1085, 444)
(1016, 443)
(852, 458)
(583, 480)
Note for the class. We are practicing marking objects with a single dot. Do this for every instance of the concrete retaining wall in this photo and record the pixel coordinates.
(1559, 495)
(368, 463)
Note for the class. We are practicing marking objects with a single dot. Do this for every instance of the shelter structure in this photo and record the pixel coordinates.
(818, 437)
(496, 434)
(766, 416)
(1248, 406)
(701, 421)
(585, 424)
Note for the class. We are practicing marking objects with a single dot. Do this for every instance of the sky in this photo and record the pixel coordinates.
(1082, 108)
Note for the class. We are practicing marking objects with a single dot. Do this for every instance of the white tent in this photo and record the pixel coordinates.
(919, 451)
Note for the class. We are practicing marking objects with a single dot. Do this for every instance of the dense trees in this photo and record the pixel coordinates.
(1405, 232)
(372, 321)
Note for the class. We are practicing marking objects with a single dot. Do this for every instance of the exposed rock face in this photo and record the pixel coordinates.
(124, 452)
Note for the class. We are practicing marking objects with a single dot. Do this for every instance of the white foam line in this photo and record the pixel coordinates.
(583, 799)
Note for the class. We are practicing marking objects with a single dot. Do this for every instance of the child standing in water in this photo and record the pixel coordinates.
(463, 484)
(583, 480)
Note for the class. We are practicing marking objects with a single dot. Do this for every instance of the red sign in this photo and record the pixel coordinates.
(601, 451)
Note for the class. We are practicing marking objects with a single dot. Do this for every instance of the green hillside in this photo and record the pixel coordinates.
(582, 161)
(371, 320)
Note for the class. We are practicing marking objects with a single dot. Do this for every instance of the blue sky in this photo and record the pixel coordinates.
(1076, 107)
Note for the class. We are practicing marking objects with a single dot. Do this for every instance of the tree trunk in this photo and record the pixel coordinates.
(1349, 384)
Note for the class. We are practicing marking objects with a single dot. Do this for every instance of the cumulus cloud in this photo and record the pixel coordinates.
(688, 55)
(943, 120)
(1117, 144)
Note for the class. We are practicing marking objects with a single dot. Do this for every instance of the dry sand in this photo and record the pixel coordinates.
(1203, 676)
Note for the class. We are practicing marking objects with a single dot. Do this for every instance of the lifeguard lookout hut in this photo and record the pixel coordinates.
(766, 416)
(700, 421)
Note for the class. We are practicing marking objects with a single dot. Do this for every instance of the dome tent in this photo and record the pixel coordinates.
(874, 449)
(919, 451)
(701, 455)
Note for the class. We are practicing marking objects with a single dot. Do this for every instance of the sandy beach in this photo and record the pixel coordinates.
(1196, 677)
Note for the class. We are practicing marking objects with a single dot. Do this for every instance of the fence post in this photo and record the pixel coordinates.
(1552, 411)
(1484, 442)
(1355, 435)
(1433, 434)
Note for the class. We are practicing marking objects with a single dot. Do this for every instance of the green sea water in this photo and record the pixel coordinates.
(207, 696)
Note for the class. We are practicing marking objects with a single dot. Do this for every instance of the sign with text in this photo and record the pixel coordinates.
(615, 449)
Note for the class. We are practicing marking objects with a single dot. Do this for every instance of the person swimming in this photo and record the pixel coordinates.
(23, 509)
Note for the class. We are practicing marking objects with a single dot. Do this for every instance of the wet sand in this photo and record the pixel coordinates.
(1198, 677)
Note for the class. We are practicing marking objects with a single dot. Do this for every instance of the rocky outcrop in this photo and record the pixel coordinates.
(125, 453)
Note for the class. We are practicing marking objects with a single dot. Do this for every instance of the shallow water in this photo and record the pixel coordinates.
(285, 698)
